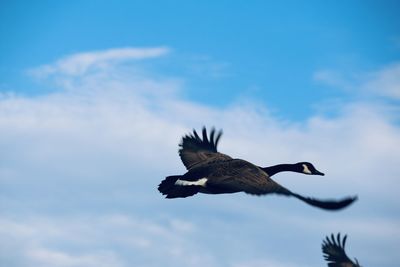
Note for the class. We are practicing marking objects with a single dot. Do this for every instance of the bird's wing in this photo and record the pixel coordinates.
(239, 175)
(334, 252)
(195, 151)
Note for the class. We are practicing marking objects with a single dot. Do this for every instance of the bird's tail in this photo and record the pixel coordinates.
(170, 189)
(323, 204)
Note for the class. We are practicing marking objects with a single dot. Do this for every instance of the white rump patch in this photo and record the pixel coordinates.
(200, 182)
(306, 169)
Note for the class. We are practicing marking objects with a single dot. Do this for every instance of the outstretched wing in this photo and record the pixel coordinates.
(195, 151)
(334, 253)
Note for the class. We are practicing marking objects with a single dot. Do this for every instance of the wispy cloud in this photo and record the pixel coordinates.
(92, 241)
(46, 257)
(384, 82)
(79, 64)
(332, 78)
(381, 82)
(101, 148)
(267, 263)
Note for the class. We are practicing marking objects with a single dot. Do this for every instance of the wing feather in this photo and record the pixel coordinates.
(334, 252)
(195, 151)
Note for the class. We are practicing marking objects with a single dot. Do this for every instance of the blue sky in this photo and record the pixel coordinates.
(95, 96)
(269, 50)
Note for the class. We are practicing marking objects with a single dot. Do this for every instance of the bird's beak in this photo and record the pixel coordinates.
(319, 173)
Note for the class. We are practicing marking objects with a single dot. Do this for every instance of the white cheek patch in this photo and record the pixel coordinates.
(200, 182)
(306, 169)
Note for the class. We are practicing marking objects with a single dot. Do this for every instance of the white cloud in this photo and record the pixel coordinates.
(102, 146)
(385, 82)
(267, 263)
(331, 78)
(92, 241)
(81, 63)
(45, 257)
(381, 82)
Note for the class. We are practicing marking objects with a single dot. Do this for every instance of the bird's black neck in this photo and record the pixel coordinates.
(280, 168)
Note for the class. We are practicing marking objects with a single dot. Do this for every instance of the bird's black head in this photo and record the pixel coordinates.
(308, 168)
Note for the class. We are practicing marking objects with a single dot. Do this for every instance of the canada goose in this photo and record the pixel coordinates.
(212, 172)
(334, 252)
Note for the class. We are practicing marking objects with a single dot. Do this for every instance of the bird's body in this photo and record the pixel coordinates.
(231, 176)
(212, 172)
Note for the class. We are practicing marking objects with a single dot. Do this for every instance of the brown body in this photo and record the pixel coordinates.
(234, 175)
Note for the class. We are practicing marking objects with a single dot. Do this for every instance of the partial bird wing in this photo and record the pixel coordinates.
(196, 151)
(334, 252)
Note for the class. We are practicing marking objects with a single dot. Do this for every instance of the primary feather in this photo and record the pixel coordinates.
(335, 254)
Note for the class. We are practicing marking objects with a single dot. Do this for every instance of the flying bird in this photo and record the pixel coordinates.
(212, 172)
(335, 254)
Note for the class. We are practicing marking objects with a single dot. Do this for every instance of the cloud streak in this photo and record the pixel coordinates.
(81, 63)
(384, 82)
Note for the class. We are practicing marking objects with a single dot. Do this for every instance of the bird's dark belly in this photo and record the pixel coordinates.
(213, 189)
(222, 177)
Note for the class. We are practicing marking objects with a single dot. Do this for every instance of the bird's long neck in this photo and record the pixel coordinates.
(280, 168)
